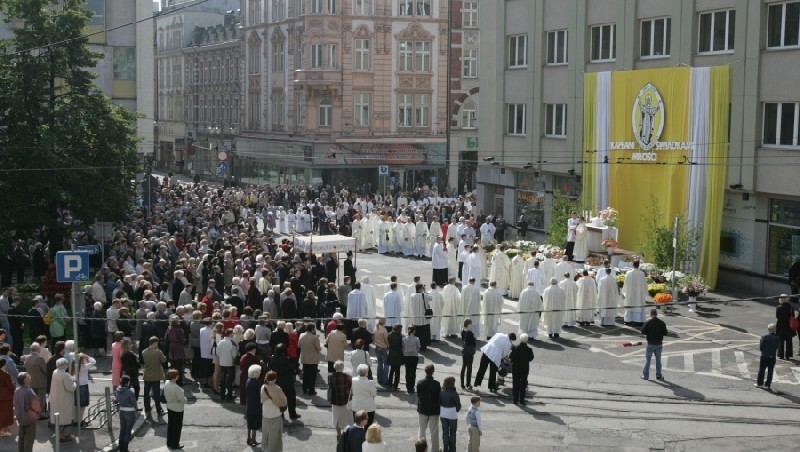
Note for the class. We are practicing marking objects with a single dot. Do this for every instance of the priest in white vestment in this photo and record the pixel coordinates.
(439, 262)
(635, 292)
(393, 306)
(548, 266)
(436, 303)
(581, 250)
(409, 238)
(484, 261)
(281, 220)
(369, 293)
(564, 266)
(553, 300)
(570, 302)
(536, 276)
(357, 303)
(434, 231)
(587, 299)
(384, 229)
(452, 312)
(491, 309)
(421, 244)
(398, 234)
(501, 270)
(471, 299)
(529, 307)
(518, 275)
(416, 316)
(472, 265)
(452, 258)
(608, 298)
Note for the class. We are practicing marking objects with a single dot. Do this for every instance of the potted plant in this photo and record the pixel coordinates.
(693, 286)
(609, 244)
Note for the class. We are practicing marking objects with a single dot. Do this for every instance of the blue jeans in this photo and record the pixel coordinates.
(383, 365)
(227, 381)
(449, 434)
(652, 349)
(126, 420)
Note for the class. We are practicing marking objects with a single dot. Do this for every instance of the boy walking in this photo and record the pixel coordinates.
(474, 427)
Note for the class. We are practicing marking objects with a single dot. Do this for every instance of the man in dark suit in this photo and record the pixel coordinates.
(521, 357)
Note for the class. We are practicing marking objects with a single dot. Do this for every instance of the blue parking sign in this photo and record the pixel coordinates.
(72, 266)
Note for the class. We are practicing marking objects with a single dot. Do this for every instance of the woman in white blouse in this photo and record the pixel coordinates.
(364, 392)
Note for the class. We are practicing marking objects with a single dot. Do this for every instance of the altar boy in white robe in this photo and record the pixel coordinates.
(491, 309)
(436, 303)
(553, 303)
(452, 312)
(529, 307)
(607, 299)
(635, 292)
(471, 299)
(536, 276)
(393, 306)
(570, 303)
(518, 275)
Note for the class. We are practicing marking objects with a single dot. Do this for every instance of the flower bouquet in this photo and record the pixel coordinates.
(693, 285)
(512, 252)
(662, 298)
(609, 216)
(489, 246)
(656, 288)
(609, 243)
(620, 280)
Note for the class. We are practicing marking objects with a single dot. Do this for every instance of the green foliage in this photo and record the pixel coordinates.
(196, 178)
(66, 147)
(560, 213)
(657, 242)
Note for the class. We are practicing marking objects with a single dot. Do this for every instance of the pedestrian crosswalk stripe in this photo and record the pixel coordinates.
(742, 365)
(716, 362)
(688, 362)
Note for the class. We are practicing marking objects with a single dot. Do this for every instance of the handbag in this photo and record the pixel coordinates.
(794, 324)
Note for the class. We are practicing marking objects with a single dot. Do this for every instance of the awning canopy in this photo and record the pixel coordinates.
(325, 244)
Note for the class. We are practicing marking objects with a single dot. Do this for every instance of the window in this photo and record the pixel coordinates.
(331, 6)
(781, 124)
(362, 55)
(422, 110)
(361, 105)
(422, 57)
(604, 43)
(278, 10)
(470, 63)
(406, 54)
(784, 235)
(300, 108)
(301, 7)
(518, 51)
(277, 57)
(469, 115)
(557, 47)
(253, 63)
(325, 113)
(516, 117)
(277, 108)
(405, 104)
(555, 120)
(469, 15)
(361, 8)
(783, 25)
(331, 52)
(316, 6)
(98, 9)
(655, 36)
(124, 63)
(717, 31)
(316, 56)
(415, 7)
(254, 11)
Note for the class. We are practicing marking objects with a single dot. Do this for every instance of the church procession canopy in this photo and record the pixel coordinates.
(325, 244)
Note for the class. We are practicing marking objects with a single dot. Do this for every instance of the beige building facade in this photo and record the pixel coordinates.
(344, 91)
(533, 58)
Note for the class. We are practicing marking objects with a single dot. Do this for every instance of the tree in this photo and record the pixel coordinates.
(559, 214)
(69, 153)
(657, 243)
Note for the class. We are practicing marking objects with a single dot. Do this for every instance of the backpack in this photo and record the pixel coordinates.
(48, 317)
(344, 442)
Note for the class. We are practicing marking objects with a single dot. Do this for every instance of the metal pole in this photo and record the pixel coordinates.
(674, 256)
(58, 433)
(108, 410)
(76, 355)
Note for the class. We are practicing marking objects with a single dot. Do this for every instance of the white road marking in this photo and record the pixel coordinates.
(742, 365)
(688, 362)
(365, 270)
(716, 362)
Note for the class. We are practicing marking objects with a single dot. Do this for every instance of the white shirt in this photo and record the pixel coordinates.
(226, 351)
(498, 347)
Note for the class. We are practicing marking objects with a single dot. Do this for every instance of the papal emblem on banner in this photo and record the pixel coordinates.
(647, 117)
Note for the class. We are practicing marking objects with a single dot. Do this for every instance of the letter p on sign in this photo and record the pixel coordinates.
(72, 266)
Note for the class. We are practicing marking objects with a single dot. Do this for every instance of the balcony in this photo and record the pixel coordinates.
(318, 77)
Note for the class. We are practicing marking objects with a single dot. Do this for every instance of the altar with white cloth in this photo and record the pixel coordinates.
(596, 233)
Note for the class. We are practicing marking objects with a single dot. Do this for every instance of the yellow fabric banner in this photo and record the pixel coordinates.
(648, 135)
(589, 126)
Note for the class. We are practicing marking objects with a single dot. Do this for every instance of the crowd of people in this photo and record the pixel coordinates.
(207, 286)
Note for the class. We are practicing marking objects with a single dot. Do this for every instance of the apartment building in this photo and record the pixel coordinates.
(344, 91)
(534, 60)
